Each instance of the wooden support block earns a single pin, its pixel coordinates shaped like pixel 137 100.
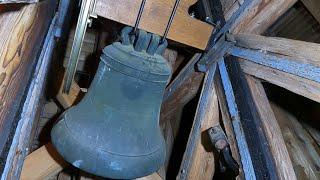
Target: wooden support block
pixel 42 164
pixel 184 28
pixel 67 100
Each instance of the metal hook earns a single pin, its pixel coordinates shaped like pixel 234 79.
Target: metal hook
pixel 173 13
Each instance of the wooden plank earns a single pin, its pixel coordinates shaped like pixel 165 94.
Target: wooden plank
pixel 272 130
pixel 301 51
pixel 42 164
pixel 31 106
pixel 198 163
pixel 302 86
pixel 155 16
pixel 314 8
pixel 23 29
pixel 282 63
pixel 67 100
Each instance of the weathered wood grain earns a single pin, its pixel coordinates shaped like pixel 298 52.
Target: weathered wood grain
pixel 301 51
pixel 272 130
pixel 30 111
pixel 258 19
pixel 262 15
pixel 22 32
pixel 304 152
pixel 155 17
pixel 298 85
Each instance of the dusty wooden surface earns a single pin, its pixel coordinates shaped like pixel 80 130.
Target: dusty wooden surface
pixel 184 29
pixel 22 29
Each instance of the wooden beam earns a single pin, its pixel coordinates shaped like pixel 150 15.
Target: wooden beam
pixel 256 21
pixel 279 62
pixel 303 150
pixel 261 16
pixel 22 31
pixel 301 51
pixel 298 85
pixel 314 8
pixel 198 162
pixel 272 130
pixel 155 17
pixel 67 100
pixel 31 106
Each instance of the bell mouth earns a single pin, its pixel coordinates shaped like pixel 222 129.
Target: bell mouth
pixel 101 162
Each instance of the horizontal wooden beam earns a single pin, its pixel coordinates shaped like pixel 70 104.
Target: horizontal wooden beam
pixel 155 17
pixel 298 85
pixel 301 51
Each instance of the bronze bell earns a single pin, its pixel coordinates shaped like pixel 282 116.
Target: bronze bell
pixel 114 131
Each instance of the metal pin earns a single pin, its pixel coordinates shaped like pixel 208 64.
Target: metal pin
pixel 139 16
pixel 173 13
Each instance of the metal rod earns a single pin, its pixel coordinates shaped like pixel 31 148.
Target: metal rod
pixel 173 13
pixel 139 16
